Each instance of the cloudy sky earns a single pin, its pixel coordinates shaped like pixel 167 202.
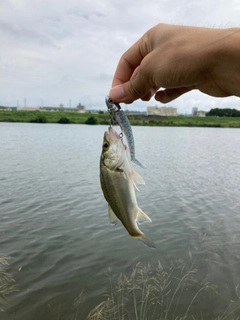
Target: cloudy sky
pixel 66 51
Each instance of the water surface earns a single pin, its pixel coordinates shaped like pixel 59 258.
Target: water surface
pixel 54 221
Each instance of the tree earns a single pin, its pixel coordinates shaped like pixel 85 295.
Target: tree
pixel 91 120
pixel 224 112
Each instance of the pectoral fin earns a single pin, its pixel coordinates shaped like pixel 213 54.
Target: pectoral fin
pixel 136 178
pixel 112 217
pixel 141 216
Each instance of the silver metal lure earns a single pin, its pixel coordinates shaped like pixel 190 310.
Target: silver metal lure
pixel 118 115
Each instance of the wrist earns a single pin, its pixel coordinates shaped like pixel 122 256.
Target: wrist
pixel 225 61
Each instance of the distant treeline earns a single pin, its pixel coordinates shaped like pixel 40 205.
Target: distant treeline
pixel 216 121
pixel 224 112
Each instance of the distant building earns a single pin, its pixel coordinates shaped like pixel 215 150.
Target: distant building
pixel 30 109
pixel 3 108
pixel 63 109
pixel 58 109
pixel 201 113
pixel 81 108
pixel 194 111
pixel 162 111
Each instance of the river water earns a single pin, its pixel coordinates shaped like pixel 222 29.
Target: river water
pixel 54 221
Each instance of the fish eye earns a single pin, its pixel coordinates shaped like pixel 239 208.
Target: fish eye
pixel 105 146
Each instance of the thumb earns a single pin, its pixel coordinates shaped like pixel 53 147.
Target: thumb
pixel 135 88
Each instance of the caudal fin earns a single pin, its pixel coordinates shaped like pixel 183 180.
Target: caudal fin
pixel 146 240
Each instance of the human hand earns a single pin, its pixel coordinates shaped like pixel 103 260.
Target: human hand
pixel 178 59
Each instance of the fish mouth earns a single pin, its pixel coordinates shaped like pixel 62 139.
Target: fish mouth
pixel 109 130
pixel 107 135
pixel 109 138
pixel 111 135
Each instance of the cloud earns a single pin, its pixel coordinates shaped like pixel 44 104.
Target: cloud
pixel 59 50
pixel 21 34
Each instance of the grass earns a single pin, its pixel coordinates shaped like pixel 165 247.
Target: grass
pixel 181 121
pixel 140 120
pixel 7 283
pixel 51 117
pixel 171 292
pixel 158 294
pixel 149 294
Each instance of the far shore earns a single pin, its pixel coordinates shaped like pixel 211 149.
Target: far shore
pixel 103 118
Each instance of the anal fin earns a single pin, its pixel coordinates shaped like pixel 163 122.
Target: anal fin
pixel 112 217
pixel 142 217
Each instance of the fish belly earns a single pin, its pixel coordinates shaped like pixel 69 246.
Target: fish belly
pixel 120 195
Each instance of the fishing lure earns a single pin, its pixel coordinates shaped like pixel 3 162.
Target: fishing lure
pixel 119 116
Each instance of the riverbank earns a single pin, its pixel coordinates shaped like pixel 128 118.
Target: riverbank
pixel 139 120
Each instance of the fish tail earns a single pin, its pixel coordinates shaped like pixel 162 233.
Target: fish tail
pixel 134 160
pixel 146 240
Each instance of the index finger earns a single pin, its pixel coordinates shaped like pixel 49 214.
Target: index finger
pixel 129 61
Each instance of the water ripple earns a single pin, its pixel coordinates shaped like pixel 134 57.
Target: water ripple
pixel 54 220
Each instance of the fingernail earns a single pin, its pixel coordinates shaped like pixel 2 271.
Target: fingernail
pixel 117 94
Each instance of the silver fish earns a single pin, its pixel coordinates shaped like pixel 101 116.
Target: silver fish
pixel 120 117
pixel 118 181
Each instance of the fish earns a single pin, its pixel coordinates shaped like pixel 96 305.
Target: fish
pixel 118 115
pixel 118 183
